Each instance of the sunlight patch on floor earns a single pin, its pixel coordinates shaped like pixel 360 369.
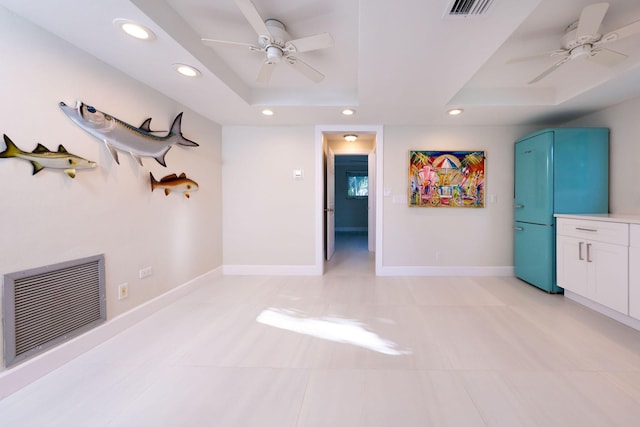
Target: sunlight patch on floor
pixel 337 329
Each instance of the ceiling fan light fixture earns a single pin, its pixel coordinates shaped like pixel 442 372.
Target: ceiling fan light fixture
pixel 455 111
pixel 274 54
pixel 134 29
pixel 581 51
pixel 186 70
pixel 350 137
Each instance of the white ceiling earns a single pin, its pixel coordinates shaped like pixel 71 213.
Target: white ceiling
pixel 398 62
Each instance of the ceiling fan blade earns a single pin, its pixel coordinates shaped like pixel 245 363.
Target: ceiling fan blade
pixel 590 19
pixel 305 44
pixel 213 42
pixel 607 57
pixel 621 33
pixel 305 69
pixel 538 55
pixel 550 70
pixel 266 70
pixel 251 14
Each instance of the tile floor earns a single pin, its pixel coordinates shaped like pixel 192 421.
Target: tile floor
pixel 350 349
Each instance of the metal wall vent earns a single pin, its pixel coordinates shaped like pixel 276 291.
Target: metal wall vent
pixel 45 306
pixel 468 8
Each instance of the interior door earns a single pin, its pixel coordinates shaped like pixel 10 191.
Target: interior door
pixel 371 203
pixel 331 204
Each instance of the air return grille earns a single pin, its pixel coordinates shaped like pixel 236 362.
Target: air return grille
pixel 468 8
pixel 45 306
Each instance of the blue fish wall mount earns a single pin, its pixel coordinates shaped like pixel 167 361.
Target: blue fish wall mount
pixel 121 136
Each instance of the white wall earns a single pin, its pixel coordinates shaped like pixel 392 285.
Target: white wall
pixel 269 218
pixel 624 152
pixel 50 218
pixel 429 240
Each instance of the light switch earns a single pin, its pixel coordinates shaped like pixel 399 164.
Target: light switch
pixel 298 174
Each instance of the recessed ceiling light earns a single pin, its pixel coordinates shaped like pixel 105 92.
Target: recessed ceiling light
pixel 186 70
pixel 350 137
pixel 348 112
pixel 455 111
pixel 134 29
pixel 267 112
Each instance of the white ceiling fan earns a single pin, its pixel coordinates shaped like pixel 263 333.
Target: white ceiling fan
pixel 583 39
pixel 276 44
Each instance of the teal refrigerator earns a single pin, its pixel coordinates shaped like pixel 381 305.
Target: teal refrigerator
pixel 557 171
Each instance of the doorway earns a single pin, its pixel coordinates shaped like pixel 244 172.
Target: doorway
pixel 350 252
pixel 348 220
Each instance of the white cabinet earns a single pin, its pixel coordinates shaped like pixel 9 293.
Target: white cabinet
pixel 593 261
pixel 634 271
pixel 571 268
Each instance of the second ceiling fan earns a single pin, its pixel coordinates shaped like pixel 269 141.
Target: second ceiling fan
pixel 583 39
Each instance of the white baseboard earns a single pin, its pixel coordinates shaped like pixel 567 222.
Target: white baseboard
pixel 615 315
pixel 272 270
pixel 351 229
pixel 444 271
pixel 16 377
pixel 312 270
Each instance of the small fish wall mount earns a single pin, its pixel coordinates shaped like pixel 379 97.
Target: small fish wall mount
pixel 41 157
pixel 121 136
pixel 173 183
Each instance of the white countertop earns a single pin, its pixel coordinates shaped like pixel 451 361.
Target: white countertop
pixel 612 217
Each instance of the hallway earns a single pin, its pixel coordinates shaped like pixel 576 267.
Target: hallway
pixel 352 256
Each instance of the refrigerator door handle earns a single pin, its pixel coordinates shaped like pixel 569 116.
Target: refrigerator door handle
pixel 518 228
pixel 580 251
pixel 589 252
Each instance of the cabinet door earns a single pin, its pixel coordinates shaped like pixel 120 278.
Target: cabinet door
pixel 608 275
pixel 571 265
pixel 634 282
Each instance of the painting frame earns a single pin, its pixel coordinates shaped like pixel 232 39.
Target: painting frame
pixel 447 178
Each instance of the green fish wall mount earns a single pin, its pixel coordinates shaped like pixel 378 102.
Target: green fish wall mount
pixel 41 157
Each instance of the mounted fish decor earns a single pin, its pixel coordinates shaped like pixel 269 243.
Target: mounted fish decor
pixel 42 158
pixel 172 182
pixel 120 136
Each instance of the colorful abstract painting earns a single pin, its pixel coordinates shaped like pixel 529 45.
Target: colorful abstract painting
pixel 446 179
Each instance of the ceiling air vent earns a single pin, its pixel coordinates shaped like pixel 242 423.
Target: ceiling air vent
pixel 468 8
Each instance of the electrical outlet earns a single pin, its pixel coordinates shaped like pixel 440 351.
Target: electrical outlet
pixel 123 291
pixel 146 272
